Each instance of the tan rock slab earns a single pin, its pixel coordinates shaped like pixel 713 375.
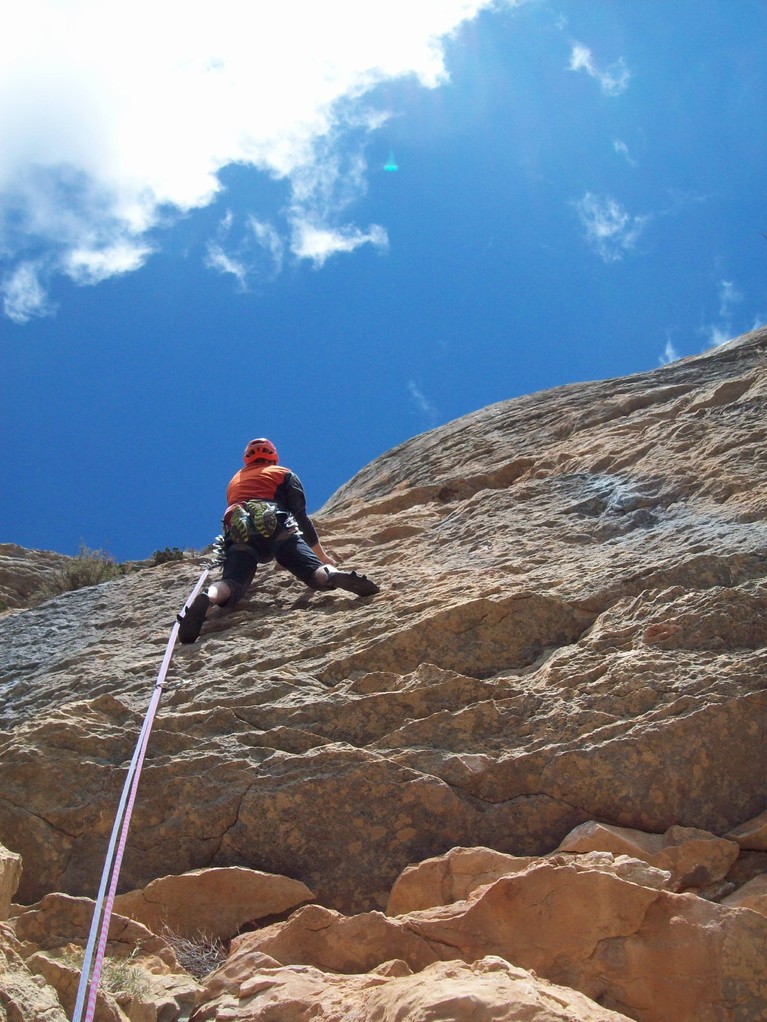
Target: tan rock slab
pixel 10 877
pixel 752 895
pixel 572 626
pixel 752 834
pixel 444 879
pixel 651 954
pixel 59 920
pixel 254 989
pixel 22 995
pixel 214 903
pixel 695 858
pixel 450 877
pixel 331 941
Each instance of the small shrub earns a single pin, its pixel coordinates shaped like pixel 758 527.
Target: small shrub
pixel 89 568
pixel 200 956
pixel 168 554
pixel 118 975
pixel 123 976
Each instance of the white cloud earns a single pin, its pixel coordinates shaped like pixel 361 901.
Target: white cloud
pixel 269 238
pixel 90 265
pixel 318 243
pixel 670 354
pixel 23 294
pixel 718 334
pixel 729 296
pixel 217 259
pixel 115 117
pixel 422 404
pixel 725 328
pixel 610 229
pixel 623 150
pixel 613 80
pixel 232 251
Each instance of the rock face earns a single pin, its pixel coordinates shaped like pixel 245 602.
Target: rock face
pixel 571 633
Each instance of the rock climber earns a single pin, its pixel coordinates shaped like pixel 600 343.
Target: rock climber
pixel 266 520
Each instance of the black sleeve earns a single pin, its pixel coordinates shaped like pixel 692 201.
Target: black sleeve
pixel 290 494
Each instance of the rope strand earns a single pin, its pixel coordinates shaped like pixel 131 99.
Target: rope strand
pixel 103 910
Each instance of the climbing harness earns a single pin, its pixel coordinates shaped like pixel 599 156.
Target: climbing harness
pixel 102 911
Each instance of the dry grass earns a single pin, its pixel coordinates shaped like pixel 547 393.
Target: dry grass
pixel 199 956
pixel 89 568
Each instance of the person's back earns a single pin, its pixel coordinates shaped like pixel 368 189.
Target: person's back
pixel 265 520
pixel 260 480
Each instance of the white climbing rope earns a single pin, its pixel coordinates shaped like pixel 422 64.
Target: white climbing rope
pixel 102 911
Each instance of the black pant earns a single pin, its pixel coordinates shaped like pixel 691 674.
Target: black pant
pixel 242 560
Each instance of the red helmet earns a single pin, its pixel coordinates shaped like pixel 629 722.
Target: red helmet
pixel 260 450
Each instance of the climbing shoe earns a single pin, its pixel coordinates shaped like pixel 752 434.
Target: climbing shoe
pixel 190 622
pixel 352 583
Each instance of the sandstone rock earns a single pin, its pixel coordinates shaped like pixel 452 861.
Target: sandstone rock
pixel 59 920
pixel 635 871
pixel 455 875
pixel 571 627
pixel 22 997
pixel 651 954
pixel 331 941
pixel 214 903
pixel 450 877
pixel 752 895
pixel 490 989
pixel 695 858
pixel 61 975
pixel 747 866
pixel 648 953
pixel 10 876
pixel 752 834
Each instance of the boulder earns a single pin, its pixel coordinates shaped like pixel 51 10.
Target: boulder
pixel 752 895
pixel 450 877
pixel 752 834
pixel 455 875
pixel 10 876
pixel 260 990
pixel 23 997
pixel 694 858
pixel 211 903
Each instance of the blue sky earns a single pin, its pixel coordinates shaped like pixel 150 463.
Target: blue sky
pixel 341 224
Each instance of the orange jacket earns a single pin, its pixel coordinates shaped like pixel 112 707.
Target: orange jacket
pixel 255 481
pixel 275 483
